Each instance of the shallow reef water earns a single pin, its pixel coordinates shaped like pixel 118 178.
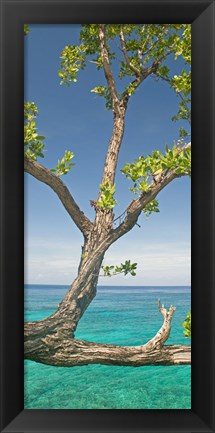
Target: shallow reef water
pixel 118 315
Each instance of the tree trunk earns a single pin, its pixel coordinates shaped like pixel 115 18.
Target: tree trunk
pixel 52 340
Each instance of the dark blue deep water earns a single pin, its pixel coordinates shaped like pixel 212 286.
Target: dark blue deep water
pixel 118 315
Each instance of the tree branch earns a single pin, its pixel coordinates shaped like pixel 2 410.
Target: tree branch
pixel 55 349
pixel 139 79
pixel 127 59
pixel 168 80
pixel 136 206
pixel 107 70
pixel 44 175
pixel 144 72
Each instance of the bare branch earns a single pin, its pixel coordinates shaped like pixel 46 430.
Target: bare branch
pixel 107 70
pixel 136 71
pixel 44 175
pixel 168 80
pixel 144 70
pixel 139 79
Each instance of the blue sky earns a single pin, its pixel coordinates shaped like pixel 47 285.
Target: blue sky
pixel 75 119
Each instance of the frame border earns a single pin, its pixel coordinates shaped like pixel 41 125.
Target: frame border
pixel 14 13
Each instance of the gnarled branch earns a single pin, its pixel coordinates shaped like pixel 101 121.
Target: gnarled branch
pixel 57 350
pixel 44 175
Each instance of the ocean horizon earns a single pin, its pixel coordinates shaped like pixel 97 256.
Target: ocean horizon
pixel 121 315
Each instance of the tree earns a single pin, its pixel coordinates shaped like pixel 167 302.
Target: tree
pixel 143 51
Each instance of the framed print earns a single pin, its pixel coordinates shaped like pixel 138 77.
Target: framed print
pixel 96 236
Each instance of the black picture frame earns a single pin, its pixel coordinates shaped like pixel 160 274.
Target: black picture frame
pixel 13 16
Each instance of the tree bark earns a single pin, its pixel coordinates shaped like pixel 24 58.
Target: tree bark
pixel 46 176
pixel 70 310
pixel 107 70
pixel 52 341
pixel 56 348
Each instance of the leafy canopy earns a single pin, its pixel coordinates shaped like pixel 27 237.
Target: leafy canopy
pixel 134 48
pixel 143 44
pixel 144 169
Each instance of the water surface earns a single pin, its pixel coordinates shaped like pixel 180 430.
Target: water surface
pixel 118 315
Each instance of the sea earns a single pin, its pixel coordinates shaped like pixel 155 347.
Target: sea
pixel 126 315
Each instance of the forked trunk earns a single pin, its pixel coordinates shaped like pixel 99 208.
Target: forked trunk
pixel 52 340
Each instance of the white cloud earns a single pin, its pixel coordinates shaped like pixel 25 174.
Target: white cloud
pixel 56 262
pixel 51 261
pixel 161 264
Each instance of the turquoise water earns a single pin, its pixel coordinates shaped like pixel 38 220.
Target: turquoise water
pixel 118 315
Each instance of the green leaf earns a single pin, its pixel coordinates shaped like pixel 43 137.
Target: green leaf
pixel 33 145
pixel 125 268
pixel 106 200
pixel 63 165
pixel 26 29
pixel 187 325
pixel 40 137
